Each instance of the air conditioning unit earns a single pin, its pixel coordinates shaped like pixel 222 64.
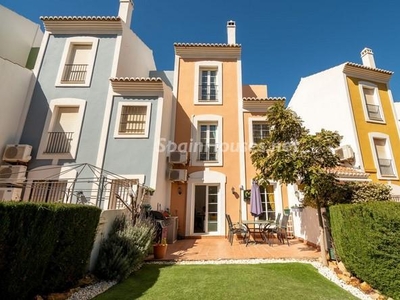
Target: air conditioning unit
pixel 178 175
pixel 16 153
pixel 178 157
pixel 12 174
pixel 345 153
pixel 13 194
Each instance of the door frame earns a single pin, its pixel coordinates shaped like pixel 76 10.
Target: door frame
pixel 205 177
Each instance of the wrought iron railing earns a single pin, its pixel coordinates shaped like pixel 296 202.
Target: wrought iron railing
pixel 207 152
pixel 385 166
pixel 208 92
pixel 59 142
pixel 74 73
pixel 374 112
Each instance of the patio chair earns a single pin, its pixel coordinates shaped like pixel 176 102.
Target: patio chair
pixel 270 228
pixel 279 229
pixel 235 229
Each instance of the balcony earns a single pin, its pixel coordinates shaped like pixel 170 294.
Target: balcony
pixel 59 142
pixel 386 167
pixel 74 73
pixel 208 92
pixel 374 112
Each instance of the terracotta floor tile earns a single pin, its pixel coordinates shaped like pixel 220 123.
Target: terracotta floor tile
pixel 220 248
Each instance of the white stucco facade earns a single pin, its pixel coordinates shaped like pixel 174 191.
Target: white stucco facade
pixel 18 36
pixel 327 92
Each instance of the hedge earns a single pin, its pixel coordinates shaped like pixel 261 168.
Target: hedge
pixel 44 247
pixel 367 240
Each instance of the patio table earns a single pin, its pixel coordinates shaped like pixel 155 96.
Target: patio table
pixel 256 227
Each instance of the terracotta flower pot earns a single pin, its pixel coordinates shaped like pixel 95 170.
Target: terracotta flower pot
pixel 159 251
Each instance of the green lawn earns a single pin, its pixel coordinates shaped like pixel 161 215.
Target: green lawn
pixel 260 281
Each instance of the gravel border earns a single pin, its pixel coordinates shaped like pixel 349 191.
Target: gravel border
pixel 91 291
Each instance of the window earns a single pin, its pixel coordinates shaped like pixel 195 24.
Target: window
pixel 207 137
pixel 372 105
pixel 133 120
pixel 260 131
pixel 383 156
pixel 267 202
pixel 77 62
pixel 208 142
pixel 49 191
pixel 62 130
pixel 208 86
pixel 208 83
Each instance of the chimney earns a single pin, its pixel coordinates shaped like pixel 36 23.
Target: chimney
pixel 231 29
pixel 367 57
pixel 125 11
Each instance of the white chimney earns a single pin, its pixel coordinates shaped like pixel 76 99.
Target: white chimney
pixel 231 28
pixel 125 11
pixel 367 57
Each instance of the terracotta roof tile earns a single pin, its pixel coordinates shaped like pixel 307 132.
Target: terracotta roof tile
pixel 207 45
pixel 264 99
pixel 79 18
pixel 348 172
pixel 368 68
pixel 136 79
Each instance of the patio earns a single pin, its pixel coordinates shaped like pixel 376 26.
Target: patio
pixel 215 248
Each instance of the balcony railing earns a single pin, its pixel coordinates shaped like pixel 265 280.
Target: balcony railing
pixel 385 166
pixel 374 112
pixel 74 73
pixel 208 92
pixel 207 152
pixel 59 142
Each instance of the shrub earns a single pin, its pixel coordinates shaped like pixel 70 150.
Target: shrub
pixel 125 249
pixel 369 191
pixel 367 240
pixel 40 246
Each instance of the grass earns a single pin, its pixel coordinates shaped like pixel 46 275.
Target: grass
pixel 254 281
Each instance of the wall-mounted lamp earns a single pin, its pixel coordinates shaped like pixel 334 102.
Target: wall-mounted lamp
pixel 179 190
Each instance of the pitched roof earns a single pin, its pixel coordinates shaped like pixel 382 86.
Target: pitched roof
pixel 79 18
pixel 136 79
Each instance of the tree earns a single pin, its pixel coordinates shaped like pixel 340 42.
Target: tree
pixel 291 155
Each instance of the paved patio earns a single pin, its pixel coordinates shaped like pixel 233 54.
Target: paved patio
pixel 214 248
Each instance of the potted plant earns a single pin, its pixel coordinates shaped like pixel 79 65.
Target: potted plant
pixel 160 249
pixel 287 211
pixel 246 195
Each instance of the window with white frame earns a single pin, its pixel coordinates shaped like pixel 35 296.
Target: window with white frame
pixel 267 202
pixel 208 142
pixel 77 62
pixel 372 103
pixel 208 81
pixel 208 86
pixel 207 137
pixel 260 131
pixel 384 157
pixel 133 120
pixel 62 130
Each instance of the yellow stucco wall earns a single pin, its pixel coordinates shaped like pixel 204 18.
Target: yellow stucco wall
pixel 363 128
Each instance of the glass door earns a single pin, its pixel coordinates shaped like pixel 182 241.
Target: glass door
pixel 205 209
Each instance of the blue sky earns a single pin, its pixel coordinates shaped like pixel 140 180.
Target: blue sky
pixel 282 40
